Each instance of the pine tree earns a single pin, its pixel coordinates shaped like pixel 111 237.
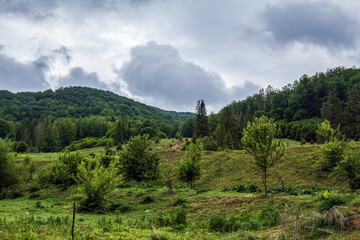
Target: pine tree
pixel 352 114
pixel 332 110
pixel 201 125
pixel 227 133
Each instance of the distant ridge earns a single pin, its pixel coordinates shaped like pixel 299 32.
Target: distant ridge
pixel 79 102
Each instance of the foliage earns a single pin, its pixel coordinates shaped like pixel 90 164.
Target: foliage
pixel 349 169
pixel 226 133
pixel 95 183
pixel 190 165
pixel 56 173
pixel 137 161
pixel 326 132
pixel 333 150
pixel 201 124
pixel 89 142
pixel 21 147
pixel 8 175
pixel 329 199
pixel 259 139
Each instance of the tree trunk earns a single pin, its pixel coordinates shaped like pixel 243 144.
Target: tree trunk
pixel 264 181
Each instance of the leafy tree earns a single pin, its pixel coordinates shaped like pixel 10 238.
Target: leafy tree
pixel 95 183
pixel 333 149
pixel 259 139
pixel 138 162
pixel 201 124
pixel 67 130
pixel 332 110
pixel 8 174
pixel 167 174
pixel 187 128
pixel 190 165
pixel 349 168
pixel 327 133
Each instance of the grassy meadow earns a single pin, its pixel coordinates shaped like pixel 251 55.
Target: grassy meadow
pixel 227 202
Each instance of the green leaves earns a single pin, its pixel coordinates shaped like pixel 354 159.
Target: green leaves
pixel 138 162
pixel 190 165
pixel 259 139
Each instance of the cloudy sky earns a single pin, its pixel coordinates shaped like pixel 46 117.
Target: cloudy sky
pixel 170 53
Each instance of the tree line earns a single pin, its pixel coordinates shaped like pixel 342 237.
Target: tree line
pixel 297 109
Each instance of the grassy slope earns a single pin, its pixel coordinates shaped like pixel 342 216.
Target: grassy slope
pixel 224 168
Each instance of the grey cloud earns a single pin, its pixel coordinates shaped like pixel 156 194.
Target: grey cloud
pixel 36 9
pixel 158 72
pixel 78 77
pixel 320 23
pixel 65 52
pixel 16 76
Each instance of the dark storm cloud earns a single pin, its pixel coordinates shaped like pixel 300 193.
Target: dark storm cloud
pixel 158 72
pixel 78 77
pixel 16 76
pixel 320 23
pixel 36 10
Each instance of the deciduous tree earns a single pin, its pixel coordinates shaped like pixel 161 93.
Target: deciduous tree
pixel 259 139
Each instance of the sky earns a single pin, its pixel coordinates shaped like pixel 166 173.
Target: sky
pixel 171 53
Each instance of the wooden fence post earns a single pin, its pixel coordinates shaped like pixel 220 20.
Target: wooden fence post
pixel 73 223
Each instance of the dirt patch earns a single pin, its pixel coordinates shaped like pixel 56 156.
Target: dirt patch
pixel 356 222
pixel 178 145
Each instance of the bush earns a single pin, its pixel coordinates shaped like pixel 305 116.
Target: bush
pixel 139 163
pixel 34 195
pixel 147 200
pixel 21 147
pixel 330 199
pixel 89 142
pixel 269 216
pixel 178 201
pixel 95 183
pixel 10 194
pixel 56 173
pixel 8 175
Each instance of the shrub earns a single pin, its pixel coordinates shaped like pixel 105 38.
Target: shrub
pixel 329 199
pixel 56 173
pixel 147 200
pixel 34 195
pixel 269 216
pixel 95 183
pixel 89 142
pixel 8 175
pixel 178 201
pixel 10 194
pixel 21 147
pixel 139 163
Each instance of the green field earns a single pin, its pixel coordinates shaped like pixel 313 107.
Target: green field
pixel 218 207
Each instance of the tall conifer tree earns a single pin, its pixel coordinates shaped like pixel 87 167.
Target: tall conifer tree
pixel 201 125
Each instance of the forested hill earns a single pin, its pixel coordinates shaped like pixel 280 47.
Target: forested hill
pixel 299 107
pixel 78 102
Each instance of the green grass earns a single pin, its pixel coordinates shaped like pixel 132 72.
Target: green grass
pixel 48 216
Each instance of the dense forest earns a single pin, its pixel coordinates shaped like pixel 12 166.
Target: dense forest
pixel 51 120
pixel 297 108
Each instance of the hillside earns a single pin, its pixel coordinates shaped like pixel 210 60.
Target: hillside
pixel 79 102
pixel 299 107
pixel 222 205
